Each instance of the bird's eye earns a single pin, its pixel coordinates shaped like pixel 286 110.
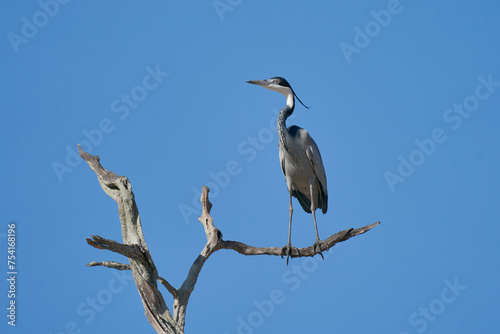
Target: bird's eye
pixel 277 81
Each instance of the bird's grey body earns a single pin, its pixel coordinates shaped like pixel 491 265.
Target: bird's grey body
pixel 299 176
pixel 300 161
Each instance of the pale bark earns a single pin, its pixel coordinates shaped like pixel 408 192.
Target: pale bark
pixel 141 263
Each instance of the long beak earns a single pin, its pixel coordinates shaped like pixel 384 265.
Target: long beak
pixel 262 83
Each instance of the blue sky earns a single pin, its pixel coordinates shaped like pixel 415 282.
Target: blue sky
pixel 404 99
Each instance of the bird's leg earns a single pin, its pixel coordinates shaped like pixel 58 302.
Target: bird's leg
pixel 287 250
pixel 318 242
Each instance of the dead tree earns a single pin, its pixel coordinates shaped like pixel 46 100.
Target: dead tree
pixel 141 263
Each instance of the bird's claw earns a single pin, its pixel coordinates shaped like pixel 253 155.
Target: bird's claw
pixel 318 244
pixel 288 250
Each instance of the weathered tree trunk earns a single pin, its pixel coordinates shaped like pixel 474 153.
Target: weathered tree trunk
pixel 141 263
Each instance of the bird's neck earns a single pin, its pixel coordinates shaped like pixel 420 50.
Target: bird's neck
pixel 287 110
pixel 282 116
pixel 290 100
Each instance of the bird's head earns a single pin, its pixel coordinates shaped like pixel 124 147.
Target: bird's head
pixel 280 85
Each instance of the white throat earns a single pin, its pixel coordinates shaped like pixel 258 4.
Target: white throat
pixel 287 92
pixel 289 99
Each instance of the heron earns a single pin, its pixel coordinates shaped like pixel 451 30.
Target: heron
pixel 300 162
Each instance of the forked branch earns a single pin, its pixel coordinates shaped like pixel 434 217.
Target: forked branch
pixel 141 263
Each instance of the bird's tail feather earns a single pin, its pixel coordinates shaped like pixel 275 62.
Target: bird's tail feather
pixel 306 203
pixel 303 200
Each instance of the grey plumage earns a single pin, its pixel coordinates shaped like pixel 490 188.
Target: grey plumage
pixel 300 160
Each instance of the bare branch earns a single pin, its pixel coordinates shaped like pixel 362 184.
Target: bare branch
pixel 306 251
pixel 214 236
pixel 169 287
pixel 215 243
pixel 126 250
pixel 109 264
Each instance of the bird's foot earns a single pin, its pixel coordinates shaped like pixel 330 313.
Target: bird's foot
pixel 318 245
pixel 288 250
